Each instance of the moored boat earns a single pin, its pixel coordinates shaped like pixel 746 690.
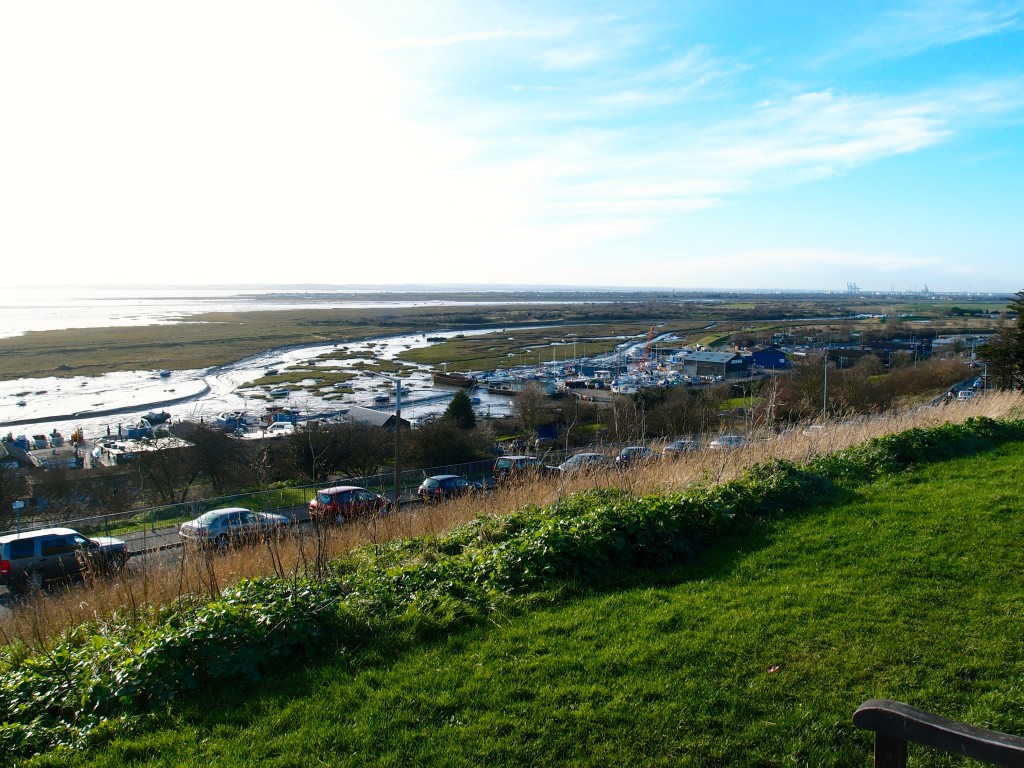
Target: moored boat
pixel 454 379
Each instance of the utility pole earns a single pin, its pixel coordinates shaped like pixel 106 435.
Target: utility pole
pixel 824 406
pixel 398 446
pixel 397 487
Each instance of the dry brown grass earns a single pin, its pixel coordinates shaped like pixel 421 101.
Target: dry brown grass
pixel 185 575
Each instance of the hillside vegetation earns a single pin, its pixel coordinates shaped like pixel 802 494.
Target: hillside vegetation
pixel 390 602
pixel 755 653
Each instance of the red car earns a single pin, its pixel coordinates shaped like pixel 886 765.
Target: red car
pixel 346 502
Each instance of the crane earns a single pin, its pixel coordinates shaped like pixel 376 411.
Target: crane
pixel 647 350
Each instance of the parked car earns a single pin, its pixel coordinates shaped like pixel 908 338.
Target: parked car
pixel 508 467
pixel 30 559
pixel 584 462
pixel 342 503
pixel 965 394
pixel 634 454
pixel 441 487
pixel 679 447
pixel 726 442
pixel 232 525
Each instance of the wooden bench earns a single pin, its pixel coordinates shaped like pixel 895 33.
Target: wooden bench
pixel 896 724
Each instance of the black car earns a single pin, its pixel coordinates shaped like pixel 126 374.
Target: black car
pixel 28 560
pixel 441 487
pixel 634 454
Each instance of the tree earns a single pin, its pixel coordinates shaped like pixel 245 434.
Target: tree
pixel 60 490
pixel 313 450
pixel 12 488
pixel 363 449
pixel 531 406
pixel 220 458
pixel 460 411
pixel 354 449
pixel 168 470
pixel 1005 353
pixel 442 442
pixel 683 411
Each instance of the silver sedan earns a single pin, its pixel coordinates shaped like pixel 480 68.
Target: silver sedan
pixel 221 528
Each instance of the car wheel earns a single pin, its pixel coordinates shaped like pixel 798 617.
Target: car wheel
pixel 339 518
pixel 33 581
pixel 118 562
pixel 221 543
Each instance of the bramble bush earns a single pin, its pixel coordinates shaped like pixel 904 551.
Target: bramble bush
pixel 102 674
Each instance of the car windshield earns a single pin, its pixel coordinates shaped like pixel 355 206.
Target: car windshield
pixel 208 518
pixel 323 498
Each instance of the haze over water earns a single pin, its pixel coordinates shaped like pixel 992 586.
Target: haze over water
pixel 46 309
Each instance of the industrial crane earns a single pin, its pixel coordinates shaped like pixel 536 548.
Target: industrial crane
pixel 647 350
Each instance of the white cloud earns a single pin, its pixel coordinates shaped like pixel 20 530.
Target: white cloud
pixel 923 24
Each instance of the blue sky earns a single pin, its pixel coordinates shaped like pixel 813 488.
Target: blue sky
pixel 649 144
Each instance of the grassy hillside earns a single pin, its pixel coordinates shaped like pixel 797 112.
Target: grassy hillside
pixel 755 652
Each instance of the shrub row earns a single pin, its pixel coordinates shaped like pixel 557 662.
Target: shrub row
pixel 101 675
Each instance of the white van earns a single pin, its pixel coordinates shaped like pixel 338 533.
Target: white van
pixel 279 428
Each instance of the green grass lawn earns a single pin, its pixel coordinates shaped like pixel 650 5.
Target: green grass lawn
pixel 756 653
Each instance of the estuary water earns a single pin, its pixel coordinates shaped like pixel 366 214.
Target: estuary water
pixel 114 401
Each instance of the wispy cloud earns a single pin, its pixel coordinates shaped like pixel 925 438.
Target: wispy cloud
pixel 924 24
pixel 672 81
pixel 469 37
pixel 808 136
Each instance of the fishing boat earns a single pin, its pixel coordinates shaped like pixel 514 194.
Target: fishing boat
pixel 281 392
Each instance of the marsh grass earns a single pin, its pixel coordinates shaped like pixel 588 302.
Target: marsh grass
pixel 219 338
pixel 168 577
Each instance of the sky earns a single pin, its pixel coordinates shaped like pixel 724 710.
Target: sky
pixel 691 144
